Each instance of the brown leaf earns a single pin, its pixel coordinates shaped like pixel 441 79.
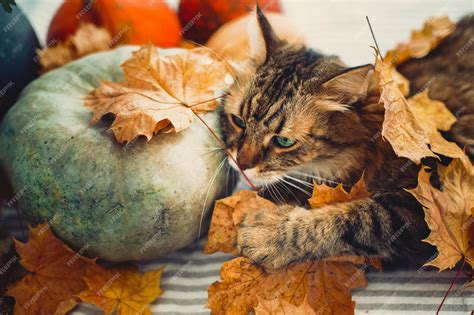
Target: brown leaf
pixel 325 284
pixel 449 213
pixel 282 307
pixel 400 128
pixel 432 115
pixel 123 290
pixel 422 41
pixel 324 195
pixel 55 274
pixel 87 39
pixel 160 93
pixel 228 214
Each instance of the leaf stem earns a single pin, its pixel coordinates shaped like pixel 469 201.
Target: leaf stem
pixel 452 284
pixel 226 151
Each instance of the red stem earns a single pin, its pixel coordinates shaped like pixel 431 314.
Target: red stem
pixel 452 284
pixel 227 152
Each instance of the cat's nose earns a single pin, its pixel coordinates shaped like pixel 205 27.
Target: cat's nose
pixel 247 157
pixel 245 164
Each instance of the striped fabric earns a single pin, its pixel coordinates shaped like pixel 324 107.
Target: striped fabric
pixel 188 273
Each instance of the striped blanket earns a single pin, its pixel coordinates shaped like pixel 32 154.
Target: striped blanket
pixel 188 273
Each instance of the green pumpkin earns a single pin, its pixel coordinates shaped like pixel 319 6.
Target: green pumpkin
pixel 118 202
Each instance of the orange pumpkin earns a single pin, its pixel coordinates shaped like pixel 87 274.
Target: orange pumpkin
pixel 201 18
pixel 142 21
pixel 128 21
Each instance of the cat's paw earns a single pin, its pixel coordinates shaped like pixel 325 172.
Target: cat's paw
pixel 263 238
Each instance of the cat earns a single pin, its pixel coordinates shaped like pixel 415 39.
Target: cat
pixel 294 115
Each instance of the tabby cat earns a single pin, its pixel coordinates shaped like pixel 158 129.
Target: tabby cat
pixel 294 115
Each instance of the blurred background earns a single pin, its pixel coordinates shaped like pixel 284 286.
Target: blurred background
pixel 332 26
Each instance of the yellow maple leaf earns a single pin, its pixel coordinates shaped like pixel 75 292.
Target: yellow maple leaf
pixel 160 93
pixel 55 274
pixel 324 195
pixel 422 41
pixel 448 213
pixel 123 290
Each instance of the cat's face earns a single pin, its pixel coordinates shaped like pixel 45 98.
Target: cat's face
pixel 290 111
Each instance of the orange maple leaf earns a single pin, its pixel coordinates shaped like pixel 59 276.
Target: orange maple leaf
pixel 422 41
pixel 282 307
pixel 227 215
pixel 160 93
pixel 325 195
pixel 87 39
pixel 55 274
pixel 124 290
pixel 448 213
pixel 326 285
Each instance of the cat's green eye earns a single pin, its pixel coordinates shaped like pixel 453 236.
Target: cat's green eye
pixel 284 142
pixel 238 121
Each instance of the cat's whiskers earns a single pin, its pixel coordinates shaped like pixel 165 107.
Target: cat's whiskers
pixel 321 179
pixel 227 181
pixel 325 180
pixel 278 184
pixel 267 185
pixel 209 186
pixel 212 151
pixel 303 182
pixel 295 186
pixel 277 192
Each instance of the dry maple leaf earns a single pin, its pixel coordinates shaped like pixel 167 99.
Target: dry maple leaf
pixel 55 274
pixel 400 128
pixel 227 215
pixel 324 195
pixel 422 41
pixel 282 307
pixel 123 290
pixel 448 213
pixel 160 93
pixel 325 284
pixel 229 212
pixel 87 39
pixel 432 115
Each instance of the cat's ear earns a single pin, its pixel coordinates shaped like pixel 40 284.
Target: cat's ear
pixel 352 84
pixel 262 38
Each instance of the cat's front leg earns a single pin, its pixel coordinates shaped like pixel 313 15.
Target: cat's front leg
pixel 378 227
pixel 272 238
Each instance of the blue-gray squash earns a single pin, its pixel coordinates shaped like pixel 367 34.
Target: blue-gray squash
pixel 18 61
pixel 118 202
